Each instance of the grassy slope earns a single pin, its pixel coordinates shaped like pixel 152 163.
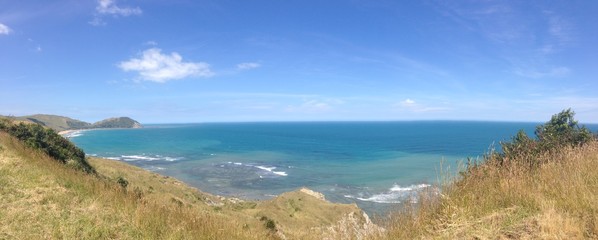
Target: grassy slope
pixel 558 201
pixel 58 123
pixel 41 198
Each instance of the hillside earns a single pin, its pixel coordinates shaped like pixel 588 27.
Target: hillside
pixel 536 188
pixel 43 197
pixel 120 122
pixel 60 123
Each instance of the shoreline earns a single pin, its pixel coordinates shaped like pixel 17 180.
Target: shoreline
pixel 65 133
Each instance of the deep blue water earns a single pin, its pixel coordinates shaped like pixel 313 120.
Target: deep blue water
pixel 373 164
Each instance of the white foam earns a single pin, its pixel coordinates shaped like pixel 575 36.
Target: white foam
pixel 129 158
pixel 280 173
pixel 397 188
pixel 154 168
pixel 138 157
pixel 378 198
pixel 265 170
pixel 394 195
pixel 172 159
pixel 73 134
pixel 271 170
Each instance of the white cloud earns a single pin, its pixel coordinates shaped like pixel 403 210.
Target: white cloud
pixel 4 29
pixel 151 43
pixel 109 7
pixel 157 67
pixel 314 106
pixel 411 105
pixel 97 22
pixel 248 65
pixel 408 102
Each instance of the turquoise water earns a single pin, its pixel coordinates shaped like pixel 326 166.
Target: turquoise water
pixel 374 164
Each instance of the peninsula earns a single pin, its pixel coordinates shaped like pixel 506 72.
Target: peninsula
pixel 61 124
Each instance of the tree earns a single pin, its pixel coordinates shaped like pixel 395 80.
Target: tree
pixel 562 130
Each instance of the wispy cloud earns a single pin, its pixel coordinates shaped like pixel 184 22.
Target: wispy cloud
pixel 552 72
pixel 154 66
pixel 248 65
pixel 407 102
pixel 412 106
pixel 314 106
pixel 109 8
pixel 4 30
pixel 560 30
pixel 510 28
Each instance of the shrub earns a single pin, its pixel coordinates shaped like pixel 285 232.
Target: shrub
pixel 48 141
pixel 562 130
pixel 122 182
pixel 268 223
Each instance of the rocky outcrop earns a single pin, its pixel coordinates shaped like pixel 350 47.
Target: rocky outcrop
pixel 304 212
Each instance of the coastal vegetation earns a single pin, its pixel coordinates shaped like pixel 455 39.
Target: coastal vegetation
pixel 536 188
pixel 47 141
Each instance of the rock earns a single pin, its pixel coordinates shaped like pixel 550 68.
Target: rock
pixel 313 193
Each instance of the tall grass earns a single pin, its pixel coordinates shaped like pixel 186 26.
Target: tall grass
pixel 494 199
pixel 40 198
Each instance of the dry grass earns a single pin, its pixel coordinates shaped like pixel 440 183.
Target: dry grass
pixel 559 200
pixel 40 198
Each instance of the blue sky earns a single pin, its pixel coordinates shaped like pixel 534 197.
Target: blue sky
pixel 164 61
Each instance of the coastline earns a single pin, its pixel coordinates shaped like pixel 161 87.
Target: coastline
pixel 72 133
pixel 66 132
pixel 75 132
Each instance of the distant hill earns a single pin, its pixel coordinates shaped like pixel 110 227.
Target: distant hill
pixel 120 122
pixel 60 123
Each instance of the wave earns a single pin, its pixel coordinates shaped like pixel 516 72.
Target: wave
pixel 395 194
pixel 154 168
pixel 73 134
pixel 271 169
pixel 131 158
pixel 265 171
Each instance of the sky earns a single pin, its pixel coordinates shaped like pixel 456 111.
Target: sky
pixel 180 61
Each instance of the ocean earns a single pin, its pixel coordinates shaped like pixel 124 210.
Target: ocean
pixel 376 165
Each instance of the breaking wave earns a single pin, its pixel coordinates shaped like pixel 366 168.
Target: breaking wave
pixel 131 158
pixel 395 194
pixel 263 171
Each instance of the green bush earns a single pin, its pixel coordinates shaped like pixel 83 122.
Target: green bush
pixel 561 131
pixel 122 182
pixel 47 140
